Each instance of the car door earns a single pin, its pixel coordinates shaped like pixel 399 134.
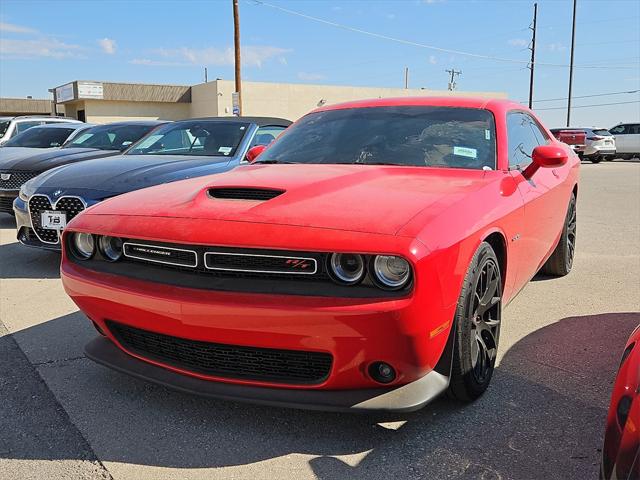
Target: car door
pixel 620 133
pixel 633 139
pixel 545 199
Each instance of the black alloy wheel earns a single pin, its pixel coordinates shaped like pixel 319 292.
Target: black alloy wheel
pixel 477 323
pixel 560 262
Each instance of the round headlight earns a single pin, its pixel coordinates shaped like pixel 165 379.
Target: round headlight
pixel 110 248
pixel 347 267
pixel 391 271
pixel 83 245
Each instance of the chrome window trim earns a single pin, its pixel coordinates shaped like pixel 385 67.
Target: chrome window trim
pixel 53 206
pixel 146 245
pixel 315 263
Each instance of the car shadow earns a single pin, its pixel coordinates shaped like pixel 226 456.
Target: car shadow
pixel 542 417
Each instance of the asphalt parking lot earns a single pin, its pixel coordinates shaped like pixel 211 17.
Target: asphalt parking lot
pixel 62 416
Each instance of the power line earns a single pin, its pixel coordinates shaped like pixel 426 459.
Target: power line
pixel 416 44
pixel 588 96
pixel 587 106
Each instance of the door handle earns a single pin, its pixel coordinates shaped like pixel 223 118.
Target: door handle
pixel 555 173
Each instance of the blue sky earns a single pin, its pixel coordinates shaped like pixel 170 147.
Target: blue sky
pixel 47 43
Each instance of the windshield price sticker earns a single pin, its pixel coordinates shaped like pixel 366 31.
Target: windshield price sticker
pixel 465 152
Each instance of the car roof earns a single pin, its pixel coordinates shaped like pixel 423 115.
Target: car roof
pixel 150 123
pixel 74 125
pixel 260 121
pixel 462 102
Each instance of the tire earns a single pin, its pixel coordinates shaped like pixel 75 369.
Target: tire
pixel 477 327
pixel 561 260
pixel 595 159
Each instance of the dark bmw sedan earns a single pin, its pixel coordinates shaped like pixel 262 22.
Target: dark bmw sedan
pixel 175 151
pixel 17 165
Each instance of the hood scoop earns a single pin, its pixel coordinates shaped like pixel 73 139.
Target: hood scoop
pixel 239 193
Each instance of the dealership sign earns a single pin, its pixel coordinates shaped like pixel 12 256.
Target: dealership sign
pixel 64 93
pixel 90 90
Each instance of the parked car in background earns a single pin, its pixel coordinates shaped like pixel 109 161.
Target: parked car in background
pixel 52 135
pixel 627 137
pixel 18 165
pixel 175 151
pixel 12 126
pixel 593 144
pixel 360 263
pixel 621 450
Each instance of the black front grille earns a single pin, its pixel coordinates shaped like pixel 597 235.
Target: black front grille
pixel 260 194
pixel 251 263
pixel 72 206
pixel 226 361
pixel 166 255
pixel 6 204
pixel 16 179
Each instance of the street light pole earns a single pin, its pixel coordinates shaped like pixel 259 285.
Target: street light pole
pixel 236 43
pixel 573 41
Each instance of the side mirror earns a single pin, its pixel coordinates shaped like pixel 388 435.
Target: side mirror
pixel 546 156
pixel 253 152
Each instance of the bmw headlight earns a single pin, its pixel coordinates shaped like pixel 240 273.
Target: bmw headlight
pixel 27 189
pixel 391 271
pixel 82 245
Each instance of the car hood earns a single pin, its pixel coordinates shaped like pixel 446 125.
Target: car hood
pixel 106 177
pixel 360 198
pixel 41 159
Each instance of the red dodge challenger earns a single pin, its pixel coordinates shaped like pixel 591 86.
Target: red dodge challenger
pixel 361 262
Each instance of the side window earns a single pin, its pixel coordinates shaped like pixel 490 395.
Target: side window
pixel 619 130
pixel 541 136
pixel 635 129
pixel 521 138
pixel 267 134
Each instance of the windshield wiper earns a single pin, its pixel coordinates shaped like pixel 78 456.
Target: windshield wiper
pixel 378 163
pixel 271 161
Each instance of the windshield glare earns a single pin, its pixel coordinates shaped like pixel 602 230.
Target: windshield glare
pixel 423 136
pixel 196 138
pixel 37 137
pixel 110 137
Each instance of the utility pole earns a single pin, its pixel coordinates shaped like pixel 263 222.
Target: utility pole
pixel 573 42
pixel 205 75
pixel 452 83
pixel 406 77
pixel 236 43
pixel 533 54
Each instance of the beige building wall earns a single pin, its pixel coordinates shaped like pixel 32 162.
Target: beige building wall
pixel 101 111
pixel 291 101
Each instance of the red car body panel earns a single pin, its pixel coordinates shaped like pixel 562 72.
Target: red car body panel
pixel 621 451
pixel 434 217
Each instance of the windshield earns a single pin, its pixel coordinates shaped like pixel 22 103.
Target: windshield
pixel 40 137
pixel 110 137
pixel 602 132
pixel 4 125
pixel 423 136
pixel 198 137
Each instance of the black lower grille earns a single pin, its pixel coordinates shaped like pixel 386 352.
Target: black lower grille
pixel 6 204
pixel 227 361
pixel 72 206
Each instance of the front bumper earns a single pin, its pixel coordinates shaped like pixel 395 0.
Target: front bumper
pixel 405 398
pixel 24 228
pixel 6 200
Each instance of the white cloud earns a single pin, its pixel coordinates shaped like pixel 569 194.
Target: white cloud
pixel 310 77
pixel 108 45
pixel 251 55
pixel 157 63
pixel 433 60
pixel 518 42
pixel 40 47
pixel 557 47
pixel 13 28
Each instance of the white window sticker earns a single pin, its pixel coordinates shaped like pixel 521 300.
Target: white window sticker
pixel 465 152
pixel 225 150
pixel 487 134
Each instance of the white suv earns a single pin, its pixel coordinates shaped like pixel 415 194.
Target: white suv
pixel 11 126
pixel 627 140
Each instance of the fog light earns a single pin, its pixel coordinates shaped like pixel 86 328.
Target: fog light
pixel 382 372
pixel 110 248
pixel 83 245
pixel 347 267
